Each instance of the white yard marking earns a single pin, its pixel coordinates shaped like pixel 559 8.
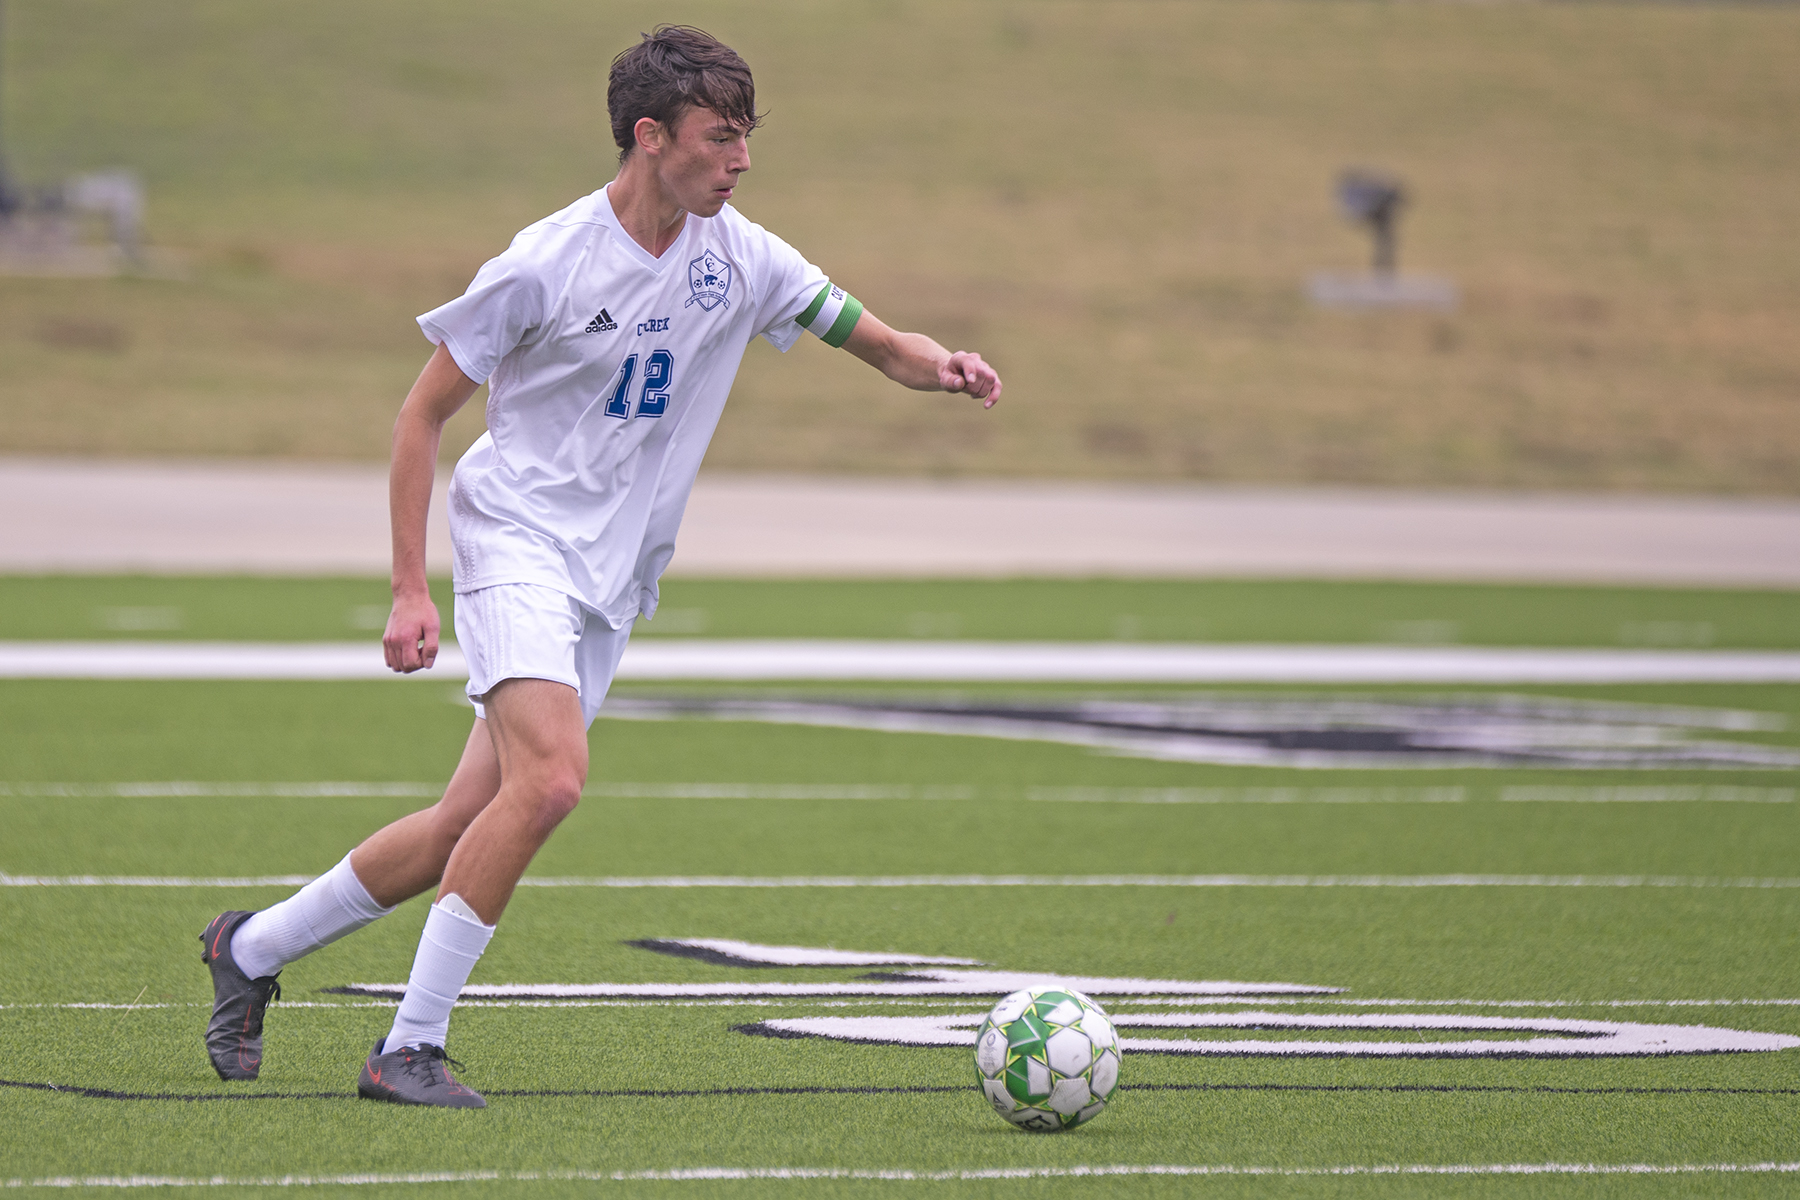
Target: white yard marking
pixel 182 788
pixel 709 1174
pixel 1675 793
pixel 1568 1038
pixel 200 1004
pixel 899 1002
pixel 1180 881
pixel 211 660
pixel 932 881
pixel 156 881
pixel 777 791
pixel 1364 1002
pixel 970 661
pixel 945 982
pixel 1652 794
pixel 1670 794
pixel 177 788
pixel 1240 795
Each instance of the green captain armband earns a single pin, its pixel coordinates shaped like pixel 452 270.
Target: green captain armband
pixel 831 315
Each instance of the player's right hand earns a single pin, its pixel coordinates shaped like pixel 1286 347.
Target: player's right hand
pixel 411 639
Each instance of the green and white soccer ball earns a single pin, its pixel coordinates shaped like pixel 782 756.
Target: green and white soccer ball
pixel 1047 1059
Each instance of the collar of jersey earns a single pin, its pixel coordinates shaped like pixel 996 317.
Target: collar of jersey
pixel 644 258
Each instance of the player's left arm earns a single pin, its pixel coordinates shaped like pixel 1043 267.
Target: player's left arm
pixel 919 363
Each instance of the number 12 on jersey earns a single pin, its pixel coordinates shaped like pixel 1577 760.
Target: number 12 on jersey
pixel 653 395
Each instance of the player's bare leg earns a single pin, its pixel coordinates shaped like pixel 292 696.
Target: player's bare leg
pixel 540 744
pixel 540 741
pixel 246 951
pixel 408 857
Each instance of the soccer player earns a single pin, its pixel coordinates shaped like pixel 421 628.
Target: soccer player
pixel 609 334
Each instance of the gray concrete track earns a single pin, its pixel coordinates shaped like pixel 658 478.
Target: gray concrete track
pixel 293 518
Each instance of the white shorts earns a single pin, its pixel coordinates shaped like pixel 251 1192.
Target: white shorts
pixel 528 631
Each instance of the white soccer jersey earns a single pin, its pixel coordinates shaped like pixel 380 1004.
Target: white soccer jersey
pixel 607 370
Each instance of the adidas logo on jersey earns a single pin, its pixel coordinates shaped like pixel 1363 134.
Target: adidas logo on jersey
pixel 602 323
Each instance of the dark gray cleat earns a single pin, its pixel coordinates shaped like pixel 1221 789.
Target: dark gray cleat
pixel 415 1076
pixel 234 1035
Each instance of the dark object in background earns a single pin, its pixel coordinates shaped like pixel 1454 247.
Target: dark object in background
pixel 1376 199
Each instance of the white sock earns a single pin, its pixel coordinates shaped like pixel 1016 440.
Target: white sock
pixel 448 950
pixel 318 914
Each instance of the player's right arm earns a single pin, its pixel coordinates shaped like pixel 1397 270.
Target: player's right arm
pixel 911 359
pixel 411 639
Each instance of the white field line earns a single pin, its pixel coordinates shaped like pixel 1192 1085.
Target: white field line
pixel 712 1174
pixel 184 788
pixel 1364 1002
pixel 181 788
pixel 1185 881
pixel 199 1004
pixel 1692 794
pixel 1559 1037
pixel 1222 795
pixel 1675 793
pixel 901 1002
pixel 777 791
pixel 1118 1003
pixel 155 881
pixel 913 881
pixel 802 659
pixel 1627 794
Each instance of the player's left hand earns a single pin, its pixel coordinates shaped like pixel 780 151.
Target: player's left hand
pixel 965 372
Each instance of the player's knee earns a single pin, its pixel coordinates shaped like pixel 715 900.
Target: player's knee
pixel 558 794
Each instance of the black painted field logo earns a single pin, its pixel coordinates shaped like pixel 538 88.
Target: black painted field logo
pixel 1325 731
pixel 1248 1019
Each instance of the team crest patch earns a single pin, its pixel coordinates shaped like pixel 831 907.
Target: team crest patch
pixel 709 277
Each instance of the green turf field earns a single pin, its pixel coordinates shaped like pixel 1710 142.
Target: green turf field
pixel 74 607
pixel 102 995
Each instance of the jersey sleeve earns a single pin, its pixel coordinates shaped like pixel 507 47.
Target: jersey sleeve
pixel 790 285
pixel 507 301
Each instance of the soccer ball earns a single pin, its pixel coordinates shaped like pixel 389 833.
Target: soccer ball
pixel 1047 1059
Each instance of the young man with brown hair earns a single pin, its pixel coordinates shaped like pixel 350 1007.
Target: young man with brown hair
pixel 609 334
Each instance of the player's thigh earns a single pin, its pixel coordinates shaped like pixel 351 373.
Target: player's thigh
pixel 537 730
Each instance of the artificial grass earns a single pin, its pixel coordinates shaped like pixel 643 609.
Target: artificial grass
pixel 248 608
pixel 1589 950
pixel 1258 1111
pixel 1585 947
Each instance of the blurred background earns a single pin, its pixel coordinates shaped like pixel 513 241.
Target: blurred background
pixel 1119 204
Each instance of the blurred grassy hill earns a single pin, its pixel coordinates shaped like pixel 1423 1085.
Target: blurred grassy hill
pixel 1117 203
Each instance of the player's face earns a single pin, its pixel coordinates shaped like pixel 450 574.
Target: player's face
pixel 701 165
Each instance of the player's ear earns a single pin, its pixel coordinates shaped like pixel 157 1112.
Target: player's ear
pixel 650 134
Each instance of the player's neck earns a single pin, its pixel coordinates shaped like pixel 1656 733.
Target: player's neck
pixel 644 209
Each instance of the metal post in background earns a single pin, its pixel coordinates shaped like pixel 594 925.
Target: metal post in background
pixel 1374 199
pixel 9 200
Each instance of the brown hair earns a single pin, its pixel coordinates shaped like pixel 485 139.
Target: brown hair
pixel 671 70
